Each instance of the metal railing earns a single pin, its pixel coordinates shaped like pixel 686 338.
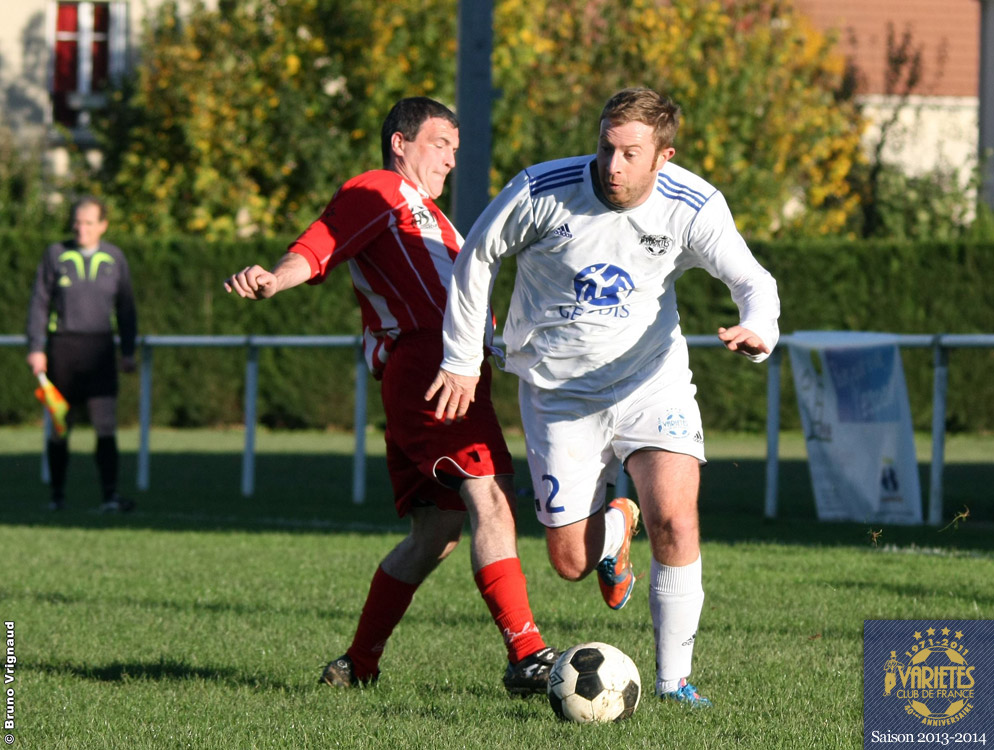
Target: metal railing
pixel 252 344
pixel 941 344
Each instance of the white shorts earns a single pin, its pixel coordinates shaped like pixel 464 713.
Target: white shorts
pixel 578 444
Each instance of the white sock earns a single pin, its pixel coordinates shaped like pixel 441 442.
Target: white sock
pixel 614 532
pixel 676 599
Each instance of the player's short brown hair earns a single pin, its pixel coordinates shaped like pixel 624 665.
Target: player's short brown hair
pixel 644 105
pixel 406 117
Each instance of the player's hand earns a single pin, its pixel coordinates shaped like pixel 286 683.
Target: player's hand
pixel 455 394
pixel 38 362
pixel 743 341
pixel 128 364
pixel 253 282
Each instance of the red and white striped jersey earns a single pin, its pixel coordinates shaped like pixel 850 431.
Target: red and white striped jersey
pixel 400 248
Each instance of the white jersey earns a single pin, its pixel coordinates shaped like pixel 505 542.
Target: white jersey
pixel 594 297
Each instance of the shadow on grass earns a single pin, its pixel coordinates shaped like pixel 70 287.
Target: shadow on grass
pixel 162 670
pixel 313 493
pixel 331 614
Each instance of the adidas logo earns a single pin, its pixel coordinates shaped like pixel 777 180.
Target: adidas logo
pixel 563 231
pixel 698 437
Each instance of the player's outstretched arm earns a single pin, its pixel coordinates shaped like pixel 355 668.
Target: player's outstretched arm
pixel 255 282
pixel 743 341
pixel 455 394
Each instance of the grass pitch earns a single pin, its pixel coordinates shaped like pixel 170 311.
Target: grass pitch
pixel 203 619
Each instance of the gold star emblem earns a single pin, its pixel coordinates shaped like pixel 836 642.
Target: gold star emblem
pixel 930 631
pixel 945 631
pixel 918 636
pixel 959 635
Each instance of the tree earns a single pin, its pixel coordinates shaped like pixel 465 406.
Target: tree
pixel 757 84
pixel 27 189
pixel 249 117
pixel 237 120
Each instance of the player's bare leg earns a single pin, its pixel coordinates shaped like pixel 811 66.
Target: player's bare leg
pixel 575 550
pixel 602 541
pixel 489 501
pixel 434 535
pixel 502 585
pixel 668 485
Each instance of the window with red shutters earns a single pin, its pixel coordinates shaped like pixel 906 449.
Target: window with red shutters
pixel 89 47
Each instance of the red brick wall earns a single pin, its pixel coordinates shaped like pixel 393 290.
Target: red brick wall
pixel 933 23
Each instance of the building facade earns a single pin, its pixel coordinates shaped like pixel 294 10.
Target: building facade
pixel 936 126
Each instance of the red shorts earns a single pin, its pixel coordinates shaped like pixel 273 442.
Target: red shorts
pixel 421 451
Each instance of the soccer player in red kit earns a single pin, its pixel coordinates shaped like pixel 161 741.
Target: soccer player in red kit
pixel 400 250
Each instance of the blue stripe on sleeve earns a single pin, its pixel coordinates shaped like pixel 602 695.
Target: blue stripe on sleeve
pixel 557 178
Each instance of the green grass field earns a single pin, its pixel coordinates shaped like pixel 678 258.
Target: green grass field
pixel 203 619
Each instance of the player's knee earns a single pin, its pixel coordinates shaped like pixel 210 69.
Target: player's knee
pixel 419 556
pixel 433 542
pixel 448 548
pixel 675 530
pixel 569 567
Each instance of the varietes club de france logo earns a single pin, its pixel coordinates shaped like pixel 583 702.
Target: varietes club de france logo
pixel 924 681
pixel 932 677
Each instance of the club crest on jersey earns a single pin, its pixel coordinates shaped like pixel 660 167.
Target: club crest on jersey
pixel 655 244
pixel 602 285
pixel 423 218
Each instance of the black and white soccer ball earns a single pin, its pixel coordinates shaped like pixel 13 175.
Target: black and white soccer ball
pixel 594 682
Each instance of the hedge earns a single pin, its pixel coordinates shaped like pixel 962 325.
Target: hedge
pixel 841 285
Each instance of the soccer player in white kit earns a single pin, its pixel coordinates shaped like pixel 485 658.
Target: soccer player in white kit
pixel 593 334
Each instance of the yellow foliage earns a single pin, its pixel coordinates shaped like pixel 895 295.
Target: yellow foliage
pixel 238 116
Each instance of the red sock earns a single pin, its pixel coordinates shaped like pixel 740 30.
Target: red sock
pixel 386 603
pixel 503 587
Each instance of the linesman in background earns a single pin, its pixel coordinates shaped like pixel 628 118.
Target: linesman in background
pixel 81 287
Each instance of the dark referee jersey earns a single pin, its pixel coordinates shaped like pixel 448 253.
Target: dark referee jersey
pixel 83 293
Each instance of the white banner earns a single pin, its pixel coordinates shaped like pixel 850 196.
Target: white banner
pixel 857 426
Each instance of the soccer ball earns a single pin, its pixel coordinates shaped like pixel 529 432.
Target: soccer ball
pixel 594 682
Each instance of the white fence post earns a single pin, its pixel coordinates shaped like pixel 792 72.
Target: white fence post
pixel 359 425
pixel 940 386
pixel 251 392
pixel 46 476
pixel 144 417
pixel 773 368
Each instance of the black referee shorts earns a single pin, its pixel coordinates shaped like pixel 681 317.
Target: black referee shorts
pixel 82 365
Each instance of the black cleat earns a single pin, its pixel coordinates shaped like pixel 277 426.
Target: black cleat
pixel 531 675
pixel 117 504
pixel 340 673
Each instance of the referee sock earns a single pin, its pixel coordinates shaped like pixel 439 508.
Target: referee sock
pixel 386 603
pixel 676 599
pixel 58 466
pixel 503 587
pixel 106 458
